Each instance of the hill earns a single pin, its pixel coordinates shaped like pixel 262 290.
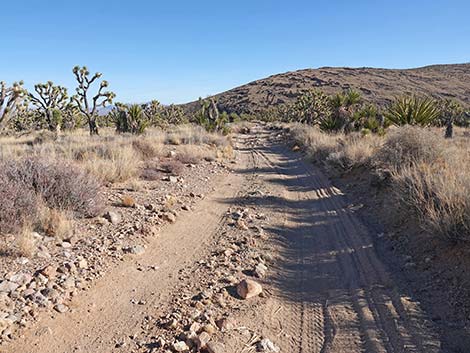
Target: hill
pixel 376 85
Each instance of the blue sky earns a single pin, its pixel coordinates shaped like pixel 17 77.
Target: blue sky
pixel 176 51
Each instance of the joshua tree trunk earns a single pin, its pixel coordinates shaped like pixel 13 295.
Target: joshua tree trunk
pixel 449 129
pixel 93 127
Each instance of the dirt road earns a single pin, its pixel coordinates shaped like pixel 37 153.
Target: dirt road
pixel 327 290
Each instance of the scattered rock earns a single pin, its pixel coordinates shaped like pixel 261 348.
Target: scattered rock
pixel 83 264
pixel 248 288
pixel 49 271
pixel 170 217
pixel 225 324
pixel 113 217
pixel 135 250
pixel 180 346
pixel 61 308
pixel 260 270
pixel 266 345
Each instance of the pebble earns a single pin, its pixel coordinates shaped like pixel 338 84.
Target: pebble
pixel 113 217
pixel 61 308
pixel 248 288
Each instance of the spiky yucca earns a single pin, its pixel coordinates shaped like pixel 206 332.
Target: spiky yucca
pixel 413 110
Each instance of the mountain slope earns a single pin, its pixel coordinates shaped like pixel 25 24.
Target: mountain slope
pixel 376 85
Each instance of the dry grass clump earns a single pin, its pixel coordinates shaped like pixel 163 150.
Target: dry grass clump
pixel 408 145
pixel 117 164
pixel 147 149
pixel 55 223
pixel 430 175
pixel 25 242
pixel 127 201
pixel 337 150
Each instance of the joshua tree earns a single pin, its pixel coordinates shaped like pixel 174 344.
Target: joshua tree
pixel 101 98
pixel 311 107
pixel 344 106
pixel 51 101
pixel 209 117
pixel 450 111
pixel 9 97
pixel 130 118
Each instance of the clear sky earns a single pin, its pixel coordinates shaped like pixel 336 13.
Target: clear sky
pixel 176 51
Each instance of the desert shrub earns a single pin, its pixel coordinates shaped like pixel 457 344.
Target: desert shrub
pixel 438 193
pixel 146 149
pixel 173 167
pixel 353 151
pixel 18 204
pixel 58 183
pixel 408 145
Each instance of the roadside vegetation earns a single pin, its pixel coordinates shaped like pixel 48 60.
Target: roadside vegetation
pixel 428 174
pixel 58 152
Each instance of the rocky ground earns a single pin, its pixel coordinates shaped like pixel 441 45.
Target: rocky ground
pixel 62 268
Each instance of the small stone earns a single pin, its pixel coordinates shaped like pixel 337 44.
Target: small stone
pixel 66 245
pixel 248 288
pixel 135 249
pixel 113 217
pixel 225 324
pixel 260 270
pixel 170 217
pixel 266 345
pixel 83 264
pixel 61 308
pixel 180 346
pixel 172 179
pixel 202 340
pixel 49 271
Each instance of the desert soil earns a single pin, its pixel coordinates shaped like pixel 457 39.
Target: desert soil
pixel 273 219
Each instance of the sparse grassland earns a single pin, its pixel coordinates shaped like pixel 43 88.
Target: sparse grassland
pixel 47 180
pixel 429 175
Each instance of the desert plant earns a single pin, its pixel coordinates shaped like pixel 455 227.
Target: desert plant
pixel 130 119
pixel 407 145
pixel 311 107
pixel 59 184
pixel 344 106
pixel 209 117
pixel 413 110
pixel 9 98
pixel 451 111
pixel 50 100
pixel 171 115
pixel 100 99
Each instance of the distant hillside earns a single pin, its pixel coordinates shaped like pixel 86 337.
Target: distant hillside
pixel 376 85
